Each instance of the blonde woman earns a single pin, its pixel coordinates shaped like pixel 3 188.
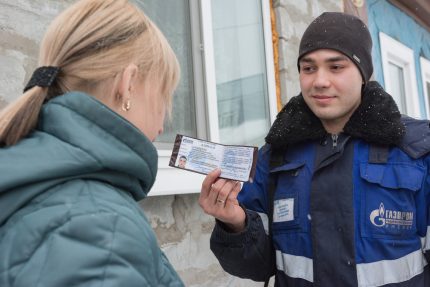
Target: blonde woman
pixel 76 153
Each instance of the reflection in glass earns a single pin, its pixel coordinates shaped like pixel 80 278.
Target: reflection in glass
pixel 243 112
pixel 173 19
pixel 397 78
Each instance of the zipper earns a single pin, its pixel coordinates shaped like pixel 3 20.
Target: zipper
pixel 334 139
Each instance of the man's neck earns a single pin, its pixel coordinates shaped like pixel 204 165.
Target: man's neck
pixel 333 128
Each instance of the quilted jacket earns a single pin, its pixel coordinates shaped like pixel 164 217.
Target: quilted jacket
pixel 68 211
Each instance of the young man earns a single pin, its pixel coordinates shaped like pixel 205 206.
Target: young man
pixel 182 161
pixel 341 194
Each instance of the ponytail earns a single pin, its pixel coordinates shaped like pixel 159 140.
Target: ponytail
pixel 20 117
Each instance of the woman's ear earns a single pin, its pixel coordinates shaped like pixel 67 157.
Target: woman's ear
pixel 127 82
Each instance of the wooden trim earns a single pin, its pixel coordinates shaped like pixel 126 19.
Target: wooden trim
pixel 417 9
pixel 275 41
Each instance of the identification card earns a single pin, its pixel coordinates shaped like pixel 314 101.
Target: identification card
pixel 236 162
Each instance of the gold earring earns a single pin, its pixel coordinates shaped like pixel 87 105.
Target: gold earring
pixel 126 105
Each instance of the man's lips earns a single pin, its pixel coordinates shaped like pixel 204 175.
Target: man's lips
pixel 323 99
pixel 322 96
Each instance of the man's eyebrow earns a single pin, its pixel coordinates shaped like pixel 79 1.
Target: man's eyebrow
pixel 337 59
pixel 306 60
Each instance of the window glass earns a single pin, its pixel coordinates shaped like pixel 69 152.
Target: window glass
pixel 398 65
pixel 240 69
pixel 173 19
pixel 396 74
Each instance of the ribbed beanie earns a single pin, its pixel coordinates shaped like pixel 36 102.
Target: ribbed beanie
pixel 341 32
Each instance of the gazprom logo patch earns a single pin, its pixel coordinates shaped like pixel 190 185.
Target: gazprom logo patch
pixel 377 216
pixel 391 218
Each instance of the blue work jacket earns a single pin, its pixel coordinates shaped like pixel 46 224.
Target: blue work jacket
pixel 346 212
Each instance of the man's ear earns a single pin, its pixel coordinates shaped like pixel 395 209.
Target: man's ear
pixel 127 81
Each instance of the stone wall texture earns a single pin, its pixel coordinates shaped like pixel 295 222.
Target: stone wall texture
pixel 183 230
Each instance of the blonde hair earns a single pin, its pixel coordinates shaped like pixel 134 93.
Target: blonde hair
pixel 91 42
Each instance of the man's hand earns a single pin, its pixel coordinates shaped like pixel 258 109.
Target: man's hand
pixel 218 198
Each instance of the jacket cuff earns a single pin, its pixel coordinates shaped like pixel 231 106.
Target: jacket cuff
pixel 252 222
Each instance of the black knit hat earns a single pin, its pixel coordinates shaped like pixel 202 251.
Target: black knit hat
pixel 341 32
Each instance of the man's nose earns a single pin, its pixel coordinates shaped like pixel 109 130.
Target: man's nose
pixel 322 79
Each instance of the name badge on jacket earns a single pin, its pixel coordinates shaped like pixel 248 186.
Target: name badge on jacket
pixel 283 210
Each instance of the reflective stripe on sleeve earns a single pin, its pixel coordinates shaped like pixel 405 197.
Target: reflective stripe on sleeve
pixel 425 241
pixel 295 266
pixel 391 271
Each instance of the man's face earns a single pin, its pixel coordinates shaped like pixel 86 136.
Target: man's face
pixel 331 86
pixel 182 162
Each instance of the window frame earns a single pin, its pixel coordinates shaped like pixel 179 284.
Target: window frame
pixel 171 180
pixel 399 54
pixel 425 74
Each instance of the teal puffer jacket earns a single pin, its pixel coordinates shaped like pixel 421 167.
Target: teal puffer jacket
pixel 68 211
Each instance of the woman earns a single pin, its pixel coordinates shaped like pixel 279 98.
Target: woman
pixel 77 153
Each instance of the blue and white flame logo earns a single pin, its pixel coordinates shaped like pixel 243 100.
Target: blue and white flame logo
pixel 377 216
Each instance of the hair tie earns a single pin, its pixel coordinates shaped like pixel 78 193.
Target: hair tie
pixel 43 77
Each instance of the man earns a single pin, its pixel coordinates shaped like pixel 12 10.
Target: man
pixel 182 161
pixel 341 194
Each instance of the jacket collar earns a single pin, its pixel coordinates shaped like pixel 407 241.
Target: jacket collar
pixel 77 138
pixel 376 120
